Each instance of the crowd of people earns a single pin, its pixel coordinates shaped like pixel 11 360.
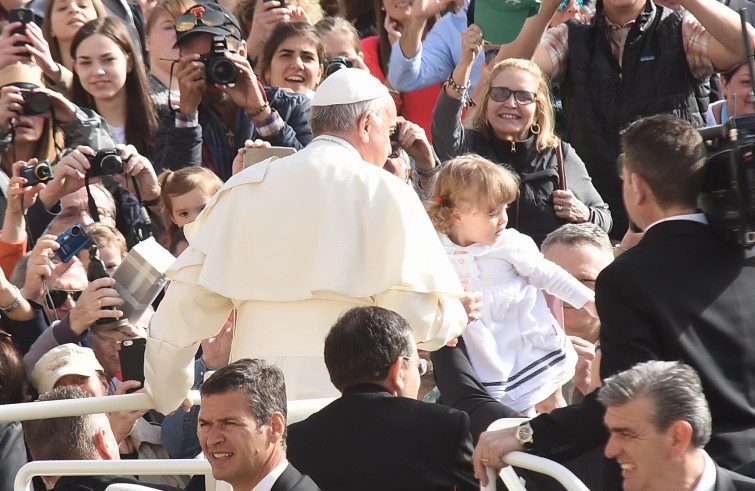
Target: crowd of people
pixel 432 216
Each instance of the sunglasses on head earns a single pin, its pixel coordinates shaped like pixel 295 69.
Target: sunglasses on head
pixel 56 298
pixel 198 16
pixel 502 94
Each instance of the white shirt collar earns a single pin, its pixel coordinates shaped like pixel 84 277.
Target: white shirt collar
pixel 693 217
pixel 266 484
pixel 707 481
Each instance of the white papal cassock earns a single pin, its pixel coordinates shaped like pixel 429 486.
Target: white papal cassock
pixel 291 244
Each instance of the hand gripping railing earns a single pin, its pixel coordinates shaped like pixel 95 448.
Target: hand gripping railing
pixel 144 467
pixel 530 462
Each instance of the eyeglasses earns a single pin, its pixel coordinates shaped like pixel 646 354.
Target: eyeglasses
pixel 502 94
pixel 200 16
pixel 57 298
pixel 115 343
pixel 421 365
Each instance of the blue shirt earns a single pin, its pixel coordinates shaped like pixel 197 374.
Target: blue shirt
pixel 437 57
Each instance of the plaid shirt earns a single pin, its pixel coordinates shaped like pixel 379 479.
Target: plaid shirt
pixel 695 38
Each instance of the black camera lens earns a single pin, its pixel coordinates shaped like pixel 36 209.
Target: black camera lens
pixel 221 70
pixel 111 164
pixel 336 63
pixel 42 171
pixel 36 103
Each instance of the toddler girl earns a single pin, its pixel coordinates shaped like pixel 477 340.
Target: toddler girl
pixel 519 352
pixel 184 194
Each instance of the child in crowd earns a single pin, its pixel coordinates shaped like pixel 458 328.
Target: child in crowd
pixel 184 193
pixel 340 38
pixel 110 243
pixel 519 352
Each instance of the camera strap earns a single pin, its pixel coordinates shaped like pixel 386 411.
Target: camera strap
pixel 93 211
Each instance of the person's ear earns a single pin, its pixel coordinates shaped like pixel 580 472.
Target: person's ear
pixel 396 376
pixel 129 63
pixel 642 191
pixel 680 438
pixel 104 441
pixel 364 125
pixel 276 427
pixel 242 48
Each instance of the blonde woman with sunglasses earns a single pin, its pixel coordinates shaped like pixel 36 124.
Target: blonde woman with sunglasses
pixel 512 124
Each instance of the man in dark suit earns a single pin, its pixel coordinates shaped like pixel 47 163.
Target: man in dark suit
pixel 377 436
pixel 683 293
pixel 242 428
pixel 658 421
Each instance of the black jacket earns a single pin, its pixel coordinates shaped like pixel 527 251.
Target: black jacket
pixel 370 440
pixel 207 144
pixel 600 97
pixel 532 213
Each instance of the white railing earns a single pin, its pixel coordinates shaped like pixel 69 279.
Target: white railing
pixel 107 467
pixel 297 410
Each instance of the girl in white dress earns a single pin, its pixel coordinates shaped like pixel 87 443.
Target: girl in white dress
pixel 519 352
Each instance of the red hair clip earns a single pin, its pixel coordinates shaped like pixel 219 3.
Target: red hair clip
pixel 438 199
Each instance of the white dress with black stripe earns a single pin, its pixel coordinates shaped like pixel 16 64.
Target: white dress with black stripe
pixel 519 352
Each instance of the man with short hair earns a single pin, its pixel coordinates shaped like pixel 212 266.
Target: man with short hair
pixel 680 294
pixel 583 250
pixel 658 421
pixel 214 120
pixel 292 243
pixel 377 436
pixel 242 428
pixel 86 437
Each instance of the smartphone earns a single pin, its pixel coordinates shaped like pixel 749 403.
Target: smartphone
pixel 256 155
pixel 24 16
pixel 132 360
pixel 71 242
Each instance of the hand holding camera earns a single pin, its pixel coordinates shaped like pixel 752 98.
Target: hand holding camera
pixel 100 300
pixel 267 15
pixel 140 168
pixel 412 138
pixel 40 267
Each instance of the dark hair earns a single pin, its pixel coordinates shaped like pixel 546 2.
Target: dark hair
pixel 363 344
pixel 74 436
pixel 669 154
pixel 49 36
pixel 141 116
pixel 674 388
pixel 262 383
pixel 282 32
pixel 12 372
pixel 729 74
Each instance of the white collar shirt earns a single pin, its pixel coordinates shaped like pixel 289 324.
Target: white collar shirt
pixel 266 484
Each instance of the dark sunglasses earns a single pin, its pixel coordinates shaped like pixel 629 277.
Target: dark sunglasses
pixel 199 16
pixel 59 297
pixel 502 94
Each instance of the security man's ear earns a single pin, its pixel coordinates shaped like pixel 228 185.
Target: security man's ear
pixel 277 427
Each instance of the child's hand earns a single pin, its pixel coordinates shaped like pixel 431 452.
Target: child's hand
pixel 472 302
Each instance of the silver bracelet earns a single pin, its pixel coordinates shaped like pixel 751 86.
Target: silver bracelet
pixel 16 303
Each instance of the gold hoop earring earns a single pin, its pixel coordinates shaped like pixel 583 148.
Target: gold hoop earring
pixel 535 128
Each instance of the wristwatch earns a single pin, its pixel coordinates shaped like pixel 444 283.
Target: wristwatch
pixel 525 435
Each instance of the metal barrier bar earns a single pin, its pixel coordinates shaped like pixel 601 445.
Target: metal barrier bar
pixel 537 464
pixel 108 467
pixel 77 407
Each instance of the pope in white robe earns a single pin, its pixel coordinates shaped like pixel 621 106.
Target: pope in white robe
pixel 291 244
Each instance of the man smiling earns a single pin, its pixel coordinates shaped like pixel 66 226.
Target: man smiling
pixel 242 428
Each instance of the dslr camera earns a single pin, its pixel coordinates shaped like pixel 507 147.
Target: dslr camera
pixel 219 69
pixel 36 173
pixel 336 63
pixel 106 162
pixel 35 102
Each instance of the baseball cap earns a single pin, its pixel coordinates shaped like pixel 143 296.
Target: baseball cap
pixel 502 20
pixel 207 17
pixel 66 359
pixel 347 86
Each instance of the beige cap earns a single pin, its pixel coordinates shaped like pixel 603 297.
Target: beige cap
pixel 347 86
pixel 21 73
pixel 66 359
